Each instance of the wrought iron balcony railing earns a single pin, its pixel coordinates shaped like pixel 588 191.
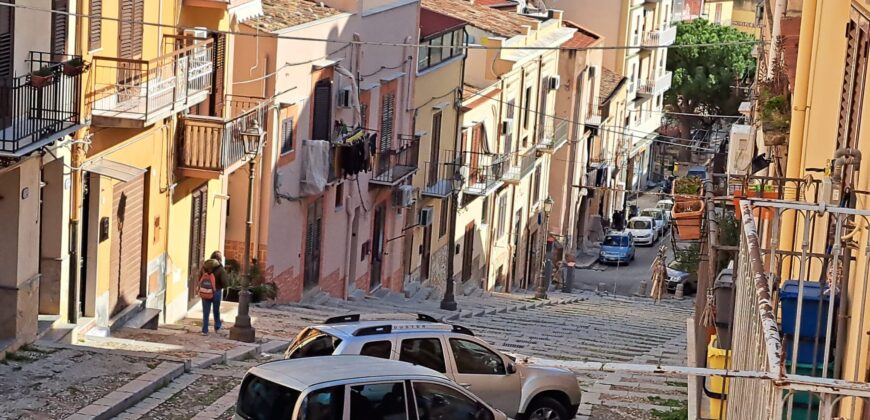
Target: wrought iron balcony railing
pixel 657 86
pixel 396 164
pixel 137 93
pixel 520 165
pixel 554 135
pixel 36 112
pixel 483 172
pixel 660 38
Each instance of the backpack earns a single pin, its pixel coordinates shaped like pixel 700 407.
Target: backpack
pixel 206 286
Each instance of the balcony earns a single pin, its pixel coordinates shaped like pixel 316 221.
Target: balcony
pixel 554 135
pixel 655 87
pixel 483 172
pixel 520 166
pixel 593 117
pixel 137 93
pixel 211 146
pixel 394 165
pixel 33 117
pixel 660 38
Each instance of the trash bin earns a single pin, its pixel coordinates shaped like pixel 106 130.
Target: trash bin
pixel 723 291
pixel 716 387
pixel 804 405
pixel 814 317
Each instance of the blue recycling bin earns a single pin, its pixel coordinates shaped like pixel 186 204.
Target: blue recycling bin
pixel 814 317
pixel 809 350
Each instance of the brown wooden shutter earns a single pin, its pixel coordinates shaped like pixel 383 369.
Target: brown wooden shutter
pixel 851 97
pixel 219 79
pixel 95 25
pixel 59 22
pixel 322 110
pixel 7 41
pixel 388 105
pixel 130 28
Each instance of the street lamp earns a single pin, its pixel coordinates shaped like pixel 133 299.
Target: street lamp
pixel 541 292
pixel 449 302
pixel 252 139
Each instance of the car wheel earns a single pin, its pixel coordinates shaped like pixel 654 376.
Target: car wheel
pixel 546 408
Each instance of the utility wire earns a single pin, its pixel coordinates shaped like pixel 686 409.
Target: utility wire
pixel 377 43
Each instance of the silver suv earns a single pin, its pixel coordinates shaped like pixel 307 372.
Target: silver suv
pixel 519 390
pixel 354 388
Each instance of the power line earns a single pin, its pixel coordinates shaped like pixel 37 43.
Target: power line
pixel 376 43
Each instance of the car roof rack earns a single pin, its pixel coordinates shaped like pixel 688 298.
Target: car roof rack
pixel 378 329
pixel 426 318
pixel 462 330
pixel 342 319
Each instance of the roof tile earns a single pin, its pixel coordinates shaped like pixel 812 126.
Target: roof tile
pixel 281 14
pixel 499 22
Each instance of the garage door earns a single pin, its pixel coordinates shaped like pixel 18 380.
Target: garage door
pixel 126 243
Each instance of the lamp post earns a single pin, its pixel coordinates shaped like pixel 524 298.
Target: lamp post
pixel 252 138
pixel 449 302
pixel 541 292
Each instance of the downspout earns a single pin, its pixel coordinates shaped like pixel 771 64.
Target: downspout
pixel 169 190
pixel 350 277
pixel 491 206
pixel 457 156
pixel 76 198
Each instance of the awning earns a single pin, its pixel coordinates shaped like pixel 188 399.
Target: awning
pixel 115 170
pixel 247 10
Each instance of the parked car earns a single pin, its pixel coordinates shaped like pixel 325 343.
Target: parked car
pixel 678 273
pixel 658 217
pixel 643 230
pixel 666 206
pixel 617 247
pixel 518 389
pixel 326 388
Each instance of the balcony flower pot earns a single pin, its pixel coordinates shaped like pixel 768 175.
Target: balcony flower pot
pixel 74 67
pixel 687 188
pixel 775 118
pixel 687 219
pixel 42 77
pixel 756 191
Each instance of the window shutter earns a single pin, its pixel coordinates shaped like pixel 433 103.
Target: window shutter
pixel 219 79
pixel 286 135
pixel 7 41
pixel 59 22
pixel 130 28
pixel 137 27
pixel 322 110
pixel 853 80
pixel 388 104
pixel 95 25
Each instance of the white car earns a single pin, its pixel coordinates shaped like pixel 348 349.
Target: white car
pixel 666 206
pixel 643 229
pixel 658 217
pixel 354 387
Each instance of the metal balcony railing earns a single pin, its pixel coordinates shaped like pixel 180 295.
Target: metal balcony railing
pixel 136 93
pixel 661 37
pixel 483 172
pixel 798 322
pixel 520 166
pixel 32 114
pixel 554 135
pixel 657 86
pixel 394 165
pixel 211 146
pixel 593 116
pixel 438 175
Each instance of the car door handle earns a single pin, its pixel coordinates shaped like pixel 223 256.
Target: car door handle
pixel 466 386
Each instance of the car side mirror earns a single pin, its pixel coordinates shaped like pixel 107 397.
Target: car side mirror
pixel 511 368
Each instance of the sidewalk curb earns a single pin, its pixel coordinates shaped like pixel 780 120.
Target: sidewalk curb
pixel 130 394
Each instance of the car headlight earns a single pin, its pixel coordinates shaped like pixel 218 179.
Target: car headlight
pixel 601 254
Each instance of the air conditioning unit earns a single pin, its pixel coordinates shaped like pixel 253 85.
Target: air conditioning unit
pixel 343 100
pixel 506 126
pixel 740 149
pixel 426 216
pixel 404 196
pixel 553 82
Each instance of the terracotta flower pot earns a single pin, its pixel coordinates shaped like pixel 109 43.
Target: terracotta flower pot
pixel 72 70
pixel 41 81
pixel 687 219
pixel 765 213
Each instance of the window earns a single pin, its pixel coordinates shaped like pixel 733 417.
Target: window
pixel 339 195
pixel 474 359
pixel 447 39
pixel 435 53
pixel 426 352
pixel 440 402
pixel 322 115
pixel 436 50
pixel 260 399
pixel 510 108
pixel 422 58
pixel 536 191
pixel 525 141
pixel 485 211
pixel 323 404
pixel 436 143
pixel 312 342
pixel 59 26
pixel 7 46
pixel 444 217
pixel 385 401
pixel 639 224
pixel 502 216
pixel 95 25
pixel 130 28
pixel 851 96
pixel 388 103
pixel 527 108
pixel 287 135
pixel 364 115
pixel 380 349
pixel 613 240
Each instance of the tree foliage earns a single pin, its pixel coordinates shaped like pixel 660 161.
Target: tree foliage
pixel 704 77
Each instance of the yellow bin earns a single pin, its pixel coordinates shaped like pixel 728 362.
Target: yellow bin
pixel 716 387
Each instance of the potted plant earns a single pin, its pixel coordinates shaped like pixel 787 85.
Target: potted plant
pixel 234 281
pixel 775 119
pixel 759 191
pixel 42 77
pixel 686 188
pixel 74 66
pixel 687 219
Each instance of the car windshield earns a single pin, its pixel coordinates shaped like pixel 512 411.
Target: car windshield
pixel 651 213
pixel 312 342
pixel 665 206
pixel 616 241
pixel 262 399
pixel 638 224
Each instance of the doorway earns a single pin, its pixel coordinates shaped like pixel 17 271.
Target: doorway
pixel 530 260
pixel 125 283
pixel 467 251
pixel 377 247
pixel 196 254
pixel 313 227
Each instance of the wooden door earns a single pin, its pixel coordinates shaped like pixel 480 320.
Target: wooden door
pixel 377 248
pixel 126 236
pixel 426 250
pixel 313 230
pixel 468 251
pixel 198 211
